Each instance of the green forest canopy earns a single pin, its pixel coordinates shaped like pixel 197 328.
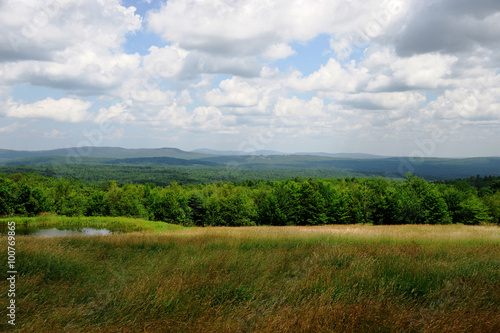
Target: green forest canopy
pixel 297 201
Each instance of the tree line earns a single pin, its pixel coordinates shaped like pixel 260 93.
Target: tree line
pixel 298 201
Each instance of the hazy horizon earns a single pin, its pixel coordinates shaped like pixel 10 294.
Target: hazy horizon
pixel 390 78
pixel 88 152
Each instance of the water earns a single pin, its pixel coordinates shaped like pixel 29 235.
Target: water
pixel 59 231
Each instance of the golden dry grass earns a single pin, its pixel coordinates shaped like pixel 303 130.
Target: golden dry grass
pixel 263 279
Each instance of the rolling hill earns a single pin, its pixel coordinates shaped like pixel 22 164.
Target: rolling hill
pixel 101 152
pixel 429 168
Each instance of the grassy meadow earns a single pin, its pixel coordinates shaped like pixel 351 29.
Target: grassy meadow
pixel 353 278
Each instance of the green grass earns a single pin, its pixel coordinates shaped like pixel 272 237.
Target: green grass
pixel 114 223
pixel 266 279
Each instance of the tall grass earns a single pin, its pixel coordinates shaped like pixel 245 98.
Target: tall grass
pixel 266 279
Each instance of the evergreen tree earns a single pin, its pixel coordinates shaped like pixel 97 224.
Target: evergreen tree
pixel 197 209
pixel 310 206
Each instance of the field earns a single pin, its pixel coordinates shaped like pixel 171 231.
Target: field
pixel 412 278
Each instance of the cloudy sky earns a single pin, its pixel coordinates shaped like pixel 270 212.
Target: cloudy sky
pixel 395 77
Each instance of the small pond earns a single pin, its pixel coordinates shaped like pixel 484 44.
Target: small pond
pixel 50 231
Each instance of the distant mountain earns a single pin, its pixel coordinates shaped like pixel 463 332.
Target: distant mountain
pixel 429 168
pixel 273 152
pixel 359 156
pixel 235 152
pixel 216 152
pixel 160 161
pixel 269 161
pixel 54 160
pixel 6 154
pixel 100 152
pixel 267 152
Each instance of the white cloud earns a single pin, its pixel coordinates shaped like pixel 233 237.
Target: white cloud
pixel 423 71
pixel 449 27
pixel 392 100
pixel 235 92
pixel 39 29
pixel 71 45
pixel 185 98
pixel 201 62
pixel 117 133
pixel 308 115
pixel 10 128
pixel 172 117
pixel 331 76
pixel 212 119
pixel 298 107
pixel 81 72
pixel 278 51
pixel 251 26
pixel 466 104
pixel 218 32
pixel 55 134
pixel 64 109
pixel 165 62
pixel 118 113
pixel 341 47
pixel 381 71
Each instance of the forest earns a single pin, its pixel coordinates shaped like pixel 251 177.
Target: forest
pixel 166 175
pixel 293 201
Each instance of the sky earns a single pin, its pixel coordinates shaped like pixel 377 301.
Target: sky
pixel 416 78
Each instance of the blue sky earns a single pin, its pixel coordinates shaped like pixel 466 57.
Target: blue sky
pixel 383 77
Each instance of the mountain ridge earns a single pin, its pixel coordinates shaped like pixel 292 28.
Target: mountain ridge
pixel 119 152
pixel 367 164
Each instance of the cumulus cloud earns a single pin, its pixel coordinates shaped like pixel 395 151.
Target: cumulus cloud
pixel 169 116
pixel 37 30
pixel 303 117
pixel 381 101
pixel 299 107
pixel 203 25
pixel 450 26
pixel 212 119
pixel 165 62
pixel 72 45
pixel 258 24
pixel 380 71
pixel 235 92
pixel 118 113
pixel 82 72
pixel 426 71
pixel 332 76
pixel 278 51
pixel 64 109
pixel 218 32
pixel 467 104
